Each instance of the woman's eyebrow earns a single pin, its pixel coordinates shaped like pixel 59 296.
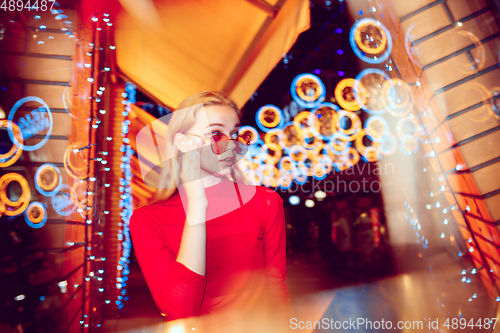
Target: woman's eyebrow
pixel 222 125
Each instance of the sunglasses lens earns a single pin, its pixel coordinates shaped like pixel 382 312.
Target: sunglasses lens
pixel 242 144
pixel 220 142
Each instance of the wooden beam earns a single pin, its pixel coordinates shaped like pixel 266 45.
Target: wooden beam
pixel 249 56
pixel 264 6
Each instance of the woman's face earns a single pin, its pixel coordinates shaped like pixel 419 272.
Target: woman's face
pixel 213 119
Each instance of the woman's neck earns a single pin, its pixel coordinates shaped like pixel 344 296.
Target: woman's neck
pixel 211 180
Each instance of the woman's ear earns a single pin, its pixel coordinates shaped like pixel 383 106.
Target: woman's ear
pixel 181 142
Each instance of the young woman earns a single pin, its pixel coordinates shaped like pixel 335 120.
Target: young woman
pixel 212 248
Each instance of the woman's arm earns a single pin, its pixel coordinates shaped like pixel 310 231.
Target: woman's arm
pixel 193 247
pixel 177 290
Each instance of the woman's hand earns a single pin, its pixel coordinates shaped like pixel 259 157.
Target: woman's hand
pixel 191 173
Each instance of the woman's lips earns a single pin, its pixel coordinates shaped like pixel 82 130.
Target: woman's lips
pixel 227 161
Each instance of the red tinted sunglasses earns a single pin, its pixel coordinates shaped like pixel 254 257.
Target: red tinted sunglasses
pixel 219 142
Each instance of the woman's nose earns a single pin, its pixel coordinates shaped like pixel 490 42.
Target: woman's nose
pixel 231 146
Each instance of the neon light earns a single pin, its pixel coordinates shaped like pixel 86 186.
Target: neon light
pixel 39 122
pixel 397 97
pixel 348 133
pixel 35 215
pixel 344 94
pixel 356 44
pixel 271 138
pixel 15 151
pixel 360 89
pixel 321 115
pixel 62 199
pixel 274 113
pixel 47 179
pixel 249 130
pixel 369 154
pixel 339 146
pixel 308 90
pixel 408 144
pixel 376 127
pixel 406 126
pixel 288 136
pixel 13 208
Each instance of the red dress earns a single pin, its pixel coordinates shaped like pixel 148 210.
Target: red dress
pixel 245 288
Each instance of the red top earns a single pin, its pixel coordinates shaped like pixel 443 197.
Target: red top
pixel 245 282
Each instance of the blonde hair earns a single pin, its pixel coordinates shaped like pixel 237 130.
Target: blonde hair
pixel 180 122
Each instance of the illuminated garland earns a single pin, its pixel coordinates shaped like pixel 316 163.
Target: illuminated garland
pixel 125 203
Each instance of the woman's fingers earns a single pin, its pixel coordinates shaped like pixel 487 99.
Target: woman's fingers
pixel 191 161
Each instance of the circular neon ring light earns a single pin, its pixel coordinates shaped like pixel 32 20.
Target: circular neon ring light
pixel 248 166
pixel 255 151
pixel 326 160
pixel 258 179
pixel 266 170
pixel 47 189
pixel 479 63
pixel 11 121
pixel 297 122
pixel 35 215
pixel 314 116
pixel 359 87
pixel 261 121
pixel 254 134
pixel 398 108
pixel 485 95
pixel 296 151
pixel 289 132
pixel 348 160
pixel 286 164
pixel 320 171
pixel 2 208
pixel 348 134
pixel 299 174
pixel 69 193
pixel 274 158
pixel 371 130
pixel 70 168
pixel 303 99
pixel 22 203
pixel 369 154
pixel 309 140
pixel 271 182
pixel 359 52
pixel 275 132
pixel 388 144
pixel 408 145
pixel 351 105
pixel 359 42
pixel 80 203
pixel 401 131
pixel 285 181
pixel 314 159
pixel 15 151
pixel 330 152
pixel 339 146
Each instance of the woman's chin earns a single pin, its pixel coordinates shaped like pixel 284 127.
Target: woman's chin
pixel 223 172
pixel 220 173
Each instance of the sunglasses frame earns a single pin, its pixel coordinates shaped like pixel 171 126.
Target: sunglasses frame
pixel 210 137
